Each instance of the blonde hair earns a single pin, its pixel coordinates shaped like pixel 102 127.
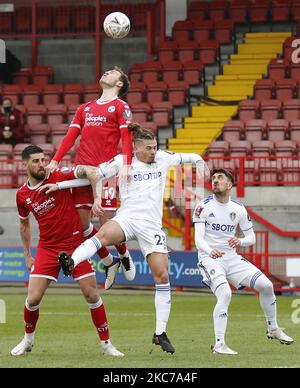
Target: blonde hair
pixel 139 133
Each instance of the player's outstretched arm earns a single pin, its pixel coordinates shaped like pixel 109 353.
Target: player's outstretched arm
pixel 26 238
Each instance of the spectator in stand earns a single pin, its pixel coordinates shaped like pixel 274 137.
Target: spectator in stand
pixel 11 124
pixel 11 65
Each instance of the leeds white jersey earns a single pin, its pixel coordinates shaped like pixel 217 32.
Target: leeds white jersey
pixel 142 197
pixel 221 221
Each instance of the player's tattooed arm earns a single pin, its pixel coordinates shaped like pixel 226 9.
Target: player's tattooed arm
pixel 26 238
pixel 94 176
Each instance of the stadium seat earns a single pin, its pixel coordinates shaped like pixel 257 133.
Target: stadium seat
pixel 6 151
pixel 71 112
pixel 224 31
pixel 187 50
pixel 5 22
pixel 203 30
pixel 182 30
pixel 258 11
pixel 13 92
pixel 136 93
pixel 56 114
pixel 285 89
pixel 58 132
pixel 239 11
pixel 241 148
pixel 35 114
pixel 48 149
pixel 263 148
pixel 270 109
pixel 83 19
pixel 135 72
pixel 295 130
pixel 218 10
pixel 172 71
pixel 152 71
pixel 42 75
pixel 22 108
pixel 162 113
pixel 218 148
pixel 209 52
pixel 6 166
pixel 278 130
pixel 233 130
pixel 264 89
pixel 31 95
pixel 157 91
pixel 22 20
pixel 295 71
pixel 278 68
pixel 39 133
pixel 177 92
pixel 141 112
pixel 22 76
pixel 192 72
pixel 44 19
pixel 52 94
pixel 198 10
pixel 62 19
pixel 151 125
pixel 91 92
pixel 286 148
pixel 167 51
pixel 256 130
pixel 248 110
pixel 18 149
pixel 295 11
pixel 72 94
pixel 291 109
pixel 280 11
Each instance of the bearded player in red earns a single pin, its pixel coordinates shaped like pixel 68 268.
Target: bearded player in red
pixel 102 124
pixel 53 213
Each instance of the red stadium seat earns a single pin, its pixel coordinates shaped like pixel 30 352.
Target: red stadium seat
pixel 42 75
pixel 83 18
pixel 295 71
pixel 224 31
pixel 141 112
pixel 5 22
pixel 31 95
pixel 44 19
pixel 256 130
pixel 198 10
pixel 48 149
pixel 136 93
pixel 18 149
pixel 167 51
pixel 285 89
pixel 157 91
pixel 13 92
pixel 263 148
pixel 71 112
pixel 218 148
pixel 56 114
pixel 6 151
pixel 295 130
pixel 162 113
pixel 52 94
pixel 239 11
pixel 278 130
pixel 209 52
pixel 135 72
pixel 39 133
pixel 278 68
pixel 22 20
pixel 270 109
pixel 248 110
pixel 258 11
pixel 151 71
pixel 218 10
pixel 280 10
pixel 91 92
pixel 291 109
pixel 187 50
pixel 232 130
pixel 240 148
pixel 295 11
pixel 172 71
pixel 23 76
pixel 62 19
pixel 264 89
pixel 36 114
pixel 58 132
pixel 151 125
pixel 203 30
pixel 286 148
pixel 177 92
pixel 192 72
pixel 182 30
pixel 72 94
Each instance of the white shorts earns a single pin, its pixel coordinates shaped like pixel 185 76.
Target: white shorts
pixel 238 271
pixel 151 237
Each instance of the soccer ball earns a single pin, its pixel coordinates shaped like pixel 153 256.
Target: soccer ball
pixel 116 25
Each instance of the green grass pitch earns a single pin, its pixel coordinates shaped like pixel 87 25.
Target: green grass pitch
pixel 66 337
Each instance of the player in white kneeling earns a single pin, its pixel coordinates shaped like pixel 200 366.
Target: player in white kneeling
pixel 216 220
pixel 140 218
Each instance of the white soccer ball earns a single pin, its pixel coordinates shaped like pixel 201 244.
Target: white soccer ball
pixel 116 25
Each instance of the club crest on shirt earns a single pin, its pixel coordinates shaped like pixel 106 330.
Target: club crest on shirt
pixel 111 109
pixel 232 216
pixel 198 211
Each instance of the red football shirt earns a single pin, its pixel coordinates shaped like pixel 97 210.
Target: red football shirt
pixel 101 125
pixel 59 223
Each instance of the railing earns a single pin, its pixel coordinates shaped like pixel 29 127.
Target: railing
pixel 36 19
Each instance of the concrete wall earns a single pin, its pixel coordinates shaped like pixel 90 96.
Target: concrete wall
pixel 175 10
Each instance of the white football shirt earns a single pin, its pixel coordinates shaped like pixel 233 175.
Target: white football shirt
pixel 142 197
pixel 221 221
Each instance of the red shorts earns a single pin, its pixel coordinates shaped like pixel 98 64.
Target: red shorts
pixel 46 265
pixel 83 196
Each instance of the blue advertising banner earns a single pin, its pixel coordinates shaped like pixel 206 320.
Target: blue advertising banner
pixel 183 269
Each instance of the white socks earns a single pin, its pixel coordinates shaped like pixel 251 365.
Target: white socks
pixel 223 295
pixel 267 300
pixel 86 250
pixel 162 306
